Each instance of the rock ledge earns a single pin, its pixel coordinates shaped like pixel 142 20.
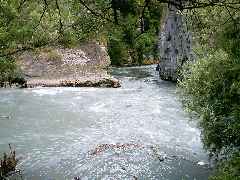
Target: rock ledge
pixel 107 82
pixel 83 66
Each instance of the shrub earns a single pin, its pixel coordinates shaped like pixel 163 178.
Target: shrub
pixel 144 46
pixel 117 50
pixel 211 88
pixel 9 72
pixel 228 170
pixel 8 163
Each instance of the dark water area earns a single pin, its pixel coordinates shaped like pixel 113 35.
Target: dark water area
pixel 138 131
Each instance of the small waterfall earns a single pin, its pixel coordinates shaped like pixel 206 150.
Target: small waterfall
pixel 174 44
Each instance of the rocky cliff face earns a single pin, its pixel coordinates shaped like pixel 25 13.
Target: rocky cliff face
pixel 174 44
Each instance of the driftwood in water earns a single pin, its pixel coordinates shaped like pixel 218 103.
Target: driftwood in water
pixel 8 163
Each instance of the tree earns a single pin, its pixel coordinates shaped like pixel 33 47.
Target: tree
pixel 210 86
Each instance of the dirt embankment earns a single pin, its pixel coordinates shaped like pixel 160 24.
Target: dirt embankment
pixel 83 66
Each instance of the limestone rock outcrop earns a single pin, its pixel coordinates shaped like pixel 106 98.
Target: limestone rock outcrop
pixel 174 44
pixel 58 66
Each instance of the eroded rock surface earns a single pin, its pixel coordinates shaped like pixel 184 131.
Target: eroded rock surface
pixel 174 44
pixel 84 66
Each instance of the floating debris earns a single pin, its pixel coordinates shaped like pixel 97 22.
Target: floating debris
pixel 103 147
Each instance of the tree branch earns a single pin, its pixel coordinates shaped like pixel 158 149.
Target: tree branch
pixel 94 12
pixel 143 15
pixel 60 18
pixel 42 15
pixel 21 4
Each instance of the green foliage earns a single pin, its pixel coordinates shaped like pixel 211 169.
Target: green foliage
pixel 229 38
pixel 136 41
pixel 211 88
pixel 31 24
pixel 228 170
pixel 144 46
pixel 9 73
pixel 124 48
pixel 117 50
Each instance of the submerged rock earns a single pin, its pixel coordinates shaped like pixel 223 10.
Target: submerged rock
pixel 103 147
pixel 108 82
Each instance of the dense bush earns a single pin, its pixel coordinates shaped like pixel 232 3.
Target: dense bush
pixel 123 48
pixel 228 170
pixel 117 49
pixel 229 38
pixel 211 88
pixel 31 24
pixel 134 40
pixel 9 73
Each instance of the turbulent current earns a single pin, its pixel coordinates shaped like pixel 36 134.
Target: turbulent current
pixel 138 131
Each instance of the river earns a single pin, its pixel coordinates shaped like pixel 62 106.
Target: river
pixel 138 131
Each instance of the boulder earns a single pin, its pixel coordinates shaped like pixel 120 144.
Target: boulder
pixel 83 66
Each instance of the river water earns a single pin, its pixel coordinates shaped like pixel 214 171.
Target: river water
pixel 138 131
